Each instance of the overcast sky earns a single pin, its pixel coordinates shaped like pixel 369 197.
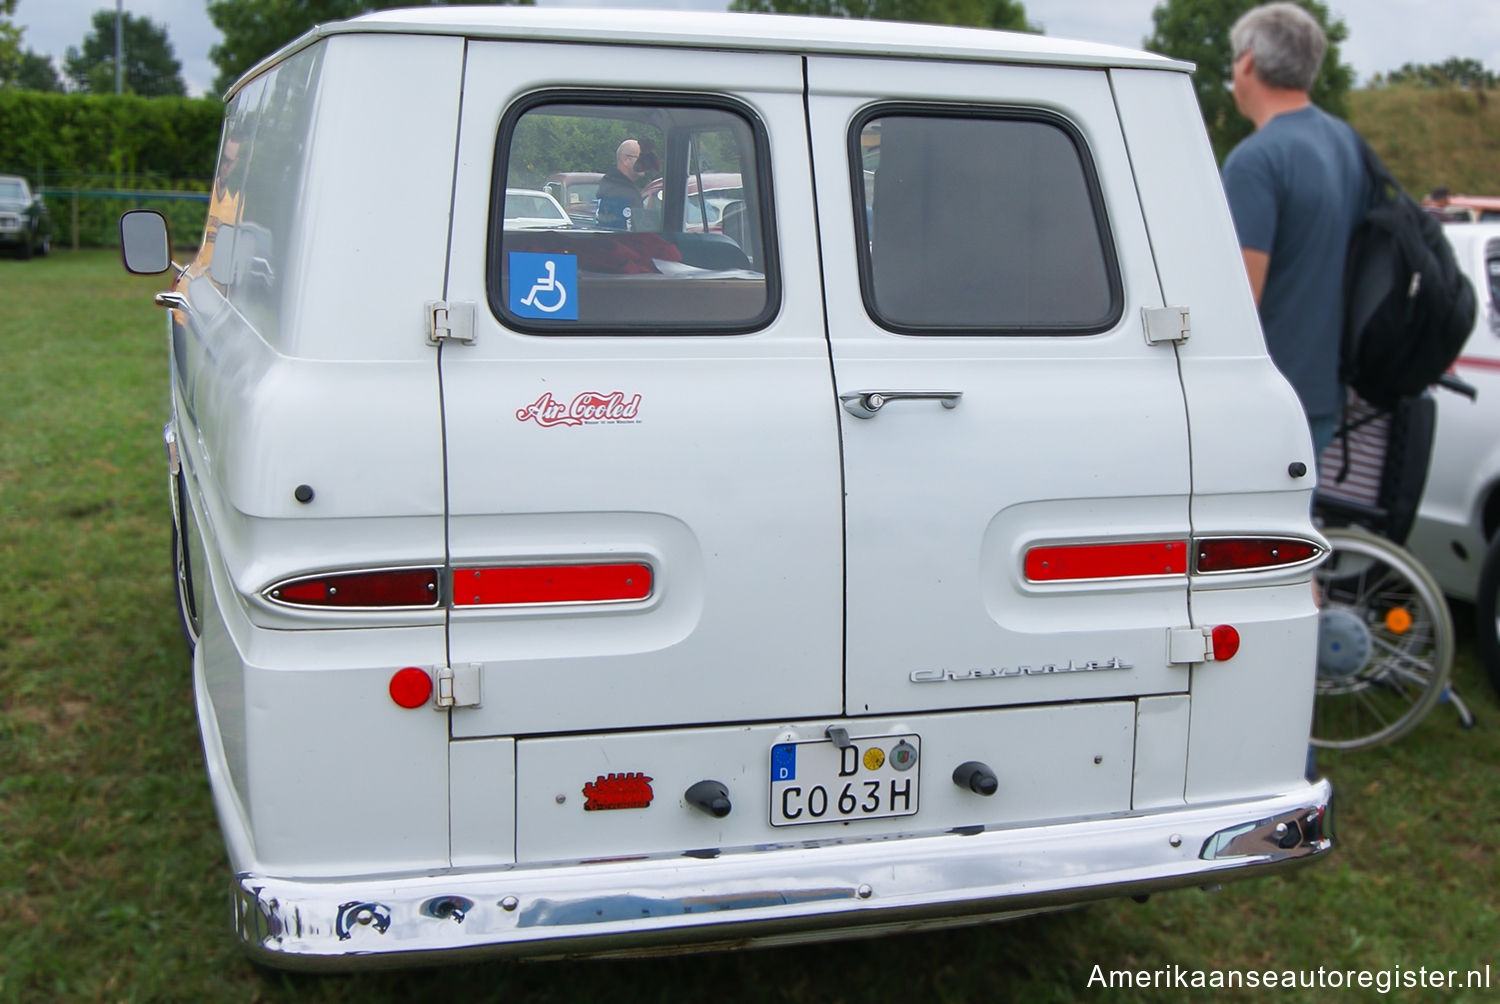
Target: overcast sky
pixel 1383 34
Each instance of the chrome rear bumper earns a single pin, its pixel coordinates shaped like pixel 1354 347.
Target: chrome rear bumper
pixel 786 892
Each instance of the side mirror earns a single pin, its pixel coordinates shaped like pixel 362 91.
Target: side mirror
pixel 144 244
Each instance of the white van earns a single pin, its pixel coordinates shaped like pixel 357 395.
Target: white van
pixel 929 542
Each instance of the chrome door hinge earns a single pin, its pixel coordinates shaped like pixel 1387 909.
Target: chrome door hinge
pixel 450 322
pixel 1166 324
pixel 458 686
pixel 1189 644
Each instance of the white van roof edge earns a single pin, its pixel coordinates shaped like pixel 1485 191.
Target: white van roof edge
pixel 728 30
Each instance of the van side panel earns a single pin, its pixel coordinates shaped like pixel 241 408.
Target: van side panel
pixel 339 157
pixel 1250 715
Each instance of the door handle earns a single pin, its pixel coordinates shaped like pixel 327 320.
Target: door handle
pixel 865 403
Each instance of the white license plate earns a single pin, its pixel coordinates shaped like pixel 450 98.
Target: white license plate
pixel 817 782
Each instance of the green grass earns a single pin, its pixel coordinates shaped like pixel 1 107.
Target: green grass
pixel 113 880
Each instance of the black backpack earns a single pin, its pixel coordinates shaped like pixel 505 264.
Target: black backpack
pixel 1408 308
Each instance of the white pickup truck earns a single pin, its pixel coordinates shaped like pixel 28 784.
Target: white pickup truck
pixel 926 539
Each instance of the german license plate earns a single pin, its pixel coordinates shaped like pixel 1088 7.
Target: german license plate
pixel 817 782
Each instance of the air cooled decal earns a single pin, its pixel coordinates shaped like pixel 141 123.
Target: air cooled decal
pixel 588 408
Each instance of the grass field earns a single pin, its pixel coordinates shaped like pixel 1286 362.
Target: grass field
pixel 113 881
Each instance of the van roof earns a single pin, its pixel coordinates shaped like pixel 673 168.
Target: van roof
pixel 723 30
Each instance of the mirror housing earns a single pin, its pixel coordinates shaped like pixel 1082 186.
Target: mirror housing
pixel 145 245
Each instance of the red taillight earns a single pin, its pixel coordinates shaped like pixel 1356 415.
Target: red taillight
pixel 1239 554
pixel 410 687
pixel 396 587
pixel 1106 561
pixel 525 584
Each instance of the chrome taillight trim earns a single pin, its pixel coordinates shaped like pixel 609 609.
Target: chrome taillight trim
pixel 1320 551
pixel 269 592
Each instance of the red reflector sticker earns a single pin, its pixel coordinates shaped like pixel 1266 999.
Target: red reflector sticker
pixel 1238 554
pixel 1106 561
pixel 617 791
pixel 522 584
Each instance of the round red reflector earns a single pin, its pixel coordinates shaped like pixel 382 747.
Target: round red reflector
pixel 1226 642
pixel 411 687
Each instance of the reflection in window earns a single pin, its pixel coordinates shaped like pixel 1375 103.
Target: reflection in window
pixel 632 218
pixel 982 225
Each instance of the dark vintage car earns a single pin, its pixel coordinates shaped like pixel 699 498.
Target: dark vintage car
pixel 25 225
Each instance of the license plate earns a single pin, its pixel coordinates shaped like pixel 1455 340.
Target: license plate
pixel 817 782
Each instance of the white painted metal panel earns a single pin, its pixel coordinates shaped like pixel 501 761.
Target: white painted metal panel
pixel 1161 745
pixel 726 483
pixel 482 803
pixel 1252 713
pixel 1057 439
pixel 1051 763
pixel 1448 535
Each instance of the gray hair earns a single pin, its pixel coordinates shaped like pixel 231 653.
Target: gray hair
pixel 1287 42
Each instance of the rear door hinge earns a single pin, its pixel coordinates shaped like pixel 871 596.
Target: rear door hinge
pixel 450 322
pixel 458 686
pixel 1189 644
pixel 1166 324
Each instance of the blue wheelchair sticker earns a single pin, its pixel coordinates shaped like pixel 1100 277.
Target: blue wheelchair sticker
pixel 784 762
pixel 544 285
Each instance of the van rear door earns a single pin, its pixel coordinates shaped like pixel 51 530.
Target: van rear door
pixel 1016 453
pixel 642 453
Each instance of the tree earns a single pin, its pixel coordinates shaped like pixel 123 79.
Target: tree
pixel 10 35
pixel 21 68
pixel 10 43
pixel 33 72
pixel 253 29
pixel 1452 72
pixel 1005 14
pixel 151 68
pixel 1198 31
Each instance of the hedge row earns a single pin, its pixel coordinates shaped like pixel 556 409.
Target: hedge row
pixel 78 147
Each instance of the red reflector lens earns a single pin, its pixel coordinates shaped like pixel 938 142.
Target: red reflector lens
pixel 1235 554
pixel 1226 642
pixel 402 587
pixel 618 791
pixel 1106 561
pixel 411 687
pixel 550 584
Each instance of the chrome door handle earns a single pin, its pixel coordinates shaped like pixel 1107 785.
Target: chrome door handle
pixel 865 403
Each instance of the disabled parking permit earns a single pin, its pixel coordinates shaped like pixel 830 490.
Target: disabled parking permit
pixel 544 285
pixel 819 782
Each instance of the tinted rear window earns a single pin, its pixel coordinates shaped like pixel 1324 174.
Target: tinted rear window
pixel 978 224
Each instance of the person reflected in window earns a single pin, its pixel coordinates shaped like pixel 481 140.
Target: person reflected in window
pixel 619 194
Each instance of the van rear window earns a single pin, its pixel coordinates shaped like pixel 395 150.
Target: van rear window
pixel 634 216
pixel 981 224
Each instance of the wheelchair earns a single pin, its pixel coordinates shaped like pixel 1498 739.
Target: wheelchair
pixel 1386 640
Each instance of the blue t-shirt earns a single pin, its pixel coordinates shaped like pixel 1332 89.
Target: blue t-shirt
pixel 1296 189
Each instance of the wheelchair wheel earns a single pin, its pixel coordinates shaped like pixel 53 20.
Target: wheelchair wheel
pixel 1385 642
pixel 1487 614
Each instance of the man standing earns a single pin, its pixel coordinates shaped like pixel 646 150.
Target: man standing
pixel 1296 188
pixel 619 196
